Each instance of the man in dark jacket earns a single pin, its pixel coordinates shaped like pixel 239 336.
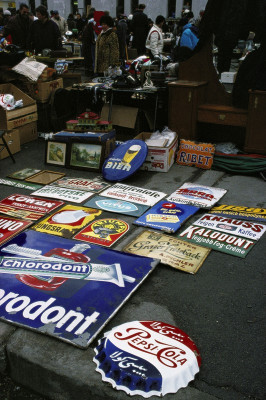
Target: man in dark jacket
pixel 140 29
pixel 45 33
pixel 19 27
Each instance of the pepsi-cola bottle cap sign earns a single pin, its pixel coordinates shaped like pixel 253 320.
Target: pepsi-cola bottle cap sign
pixel 125 160
pixel 147 358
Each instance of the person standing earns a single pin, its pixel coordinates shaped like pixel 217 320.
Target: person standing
pixel 107 47
pixel 140 29
pixel 154 42
pixel 88 45
pixel 121 30
pixel 61 22
pixel 19 27
pixel 44 33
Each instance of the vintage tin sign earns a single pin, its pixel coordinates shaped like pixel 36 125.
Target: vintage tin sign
pixel 10 227
pixel 135 194
pixel 21 185
pixel 224 242
pixel 67 221
pixel 195 154
pixel 147 358
pixel 251 230
pixel 54 192
pixel 104 232
pixel 197 195
pixel 125 160
pixel 166 216
pixel 22 214
pixel 73 310
pixel 30 203
pixel 241 212
pixel 87 185
pixel 116 206
pixel 187 257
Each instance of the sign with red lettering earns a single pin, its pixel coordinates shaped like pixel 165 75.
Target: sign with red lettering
pixel 195 154
pixel 9 227
pixel 154 358
pixel 251 230
pixel 88 185
pixel 197 195
pixel 220 241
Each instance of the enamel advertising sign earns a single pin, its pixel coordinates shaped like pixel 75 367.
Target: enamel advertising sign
pixel 135 194
pixel 54 192
pixel 166 216
pixel 197 195
pixel 104 232
pixel 195 154
pixel 242 212
pixel 10 226
pixel 116 206
pixel 187 257
pixel 250 230
pixel 28 207
pixel 220 241
pixel 73 310
pixel 67 221
pixel 87 185
pixel 21 185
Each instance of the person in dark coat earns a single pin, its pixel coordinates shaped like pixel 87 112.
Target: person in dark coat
pixel 71 22
pixel 140 29
pixel 19 27
pixel 45 33
pixel 121 30
pixel 88 46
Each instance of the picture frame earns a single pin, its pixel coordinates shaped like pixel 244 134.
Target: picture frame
pixel 85 155
pixel 45 177
pixel 24 173
pixel 55 153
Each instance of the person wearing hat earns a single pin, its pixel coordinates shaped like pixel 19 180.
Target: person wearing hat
pixel 19 27
pixel 60 21
pixel 107 47
pixel 6 18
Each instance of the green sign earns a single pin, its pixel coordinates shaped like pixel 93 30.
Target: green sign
pixel 220 241
pixel 22 185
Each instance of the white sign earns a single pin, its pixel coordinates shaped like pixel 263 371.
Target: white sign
pixel 197 195
pixel 87 185
pixel 135 194
pixel 74 196
pixel 246 229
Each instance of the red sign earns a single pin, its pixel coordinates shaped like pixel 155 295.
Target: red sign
pixel 31 203
pixel 10 227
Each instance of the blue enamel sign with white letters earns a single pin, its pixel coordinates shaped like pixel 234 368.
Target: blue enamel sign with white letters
pixel 116 206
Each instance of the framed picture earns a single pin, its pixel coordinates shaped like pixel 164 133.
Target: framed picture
pixel 24 173
pixel 45 177
pixel 55 153
pixel 85 155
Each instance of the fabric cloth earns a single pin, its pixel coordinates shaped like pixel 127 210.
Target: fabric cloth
pixel 45 36
pixel 154 42
pixel 19 29
pixel 189 38
pixel 62 24
pixel 107 51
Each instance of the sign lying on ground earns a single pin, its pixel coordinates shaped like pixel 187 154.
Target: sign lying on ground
pixel 28 206
pixel 241 212
pixel 135 194
pixel 224 242
pixel 195 154
pixel 251 230
pixel 73 310
pixel 166 216
pixel 67 221
pixel 171 251
pixel 87 185
pixel 54 192
pixel 197 195
pixel 22 185
pixel 10 227
pixel 116 206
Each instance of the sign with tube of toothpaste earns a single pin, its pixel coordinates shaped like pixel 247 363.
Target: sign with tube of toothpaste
pixel 67 221
pixel 66 288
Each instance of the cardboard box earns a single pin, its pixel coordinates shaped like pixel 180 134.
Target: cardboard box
pixel 121 115
pixel 19 116
pixel 13 141
pixel 159 159
pixel 228 77
pixel 27 133
pixel 44 89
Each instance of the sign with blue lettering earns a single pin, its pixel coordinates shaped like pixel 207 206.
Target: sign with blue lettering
pixel 166 216
pixel 125 160
pixel 117 206
pixel 72 309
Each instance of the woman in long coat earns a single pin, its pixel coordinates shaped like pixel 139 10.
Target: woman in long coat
pixel 107 46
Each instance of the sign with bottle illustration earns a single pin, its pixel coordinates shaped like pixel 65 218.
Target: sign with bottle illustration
pixel 65 288
pixel 125 160
pixel 67 221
